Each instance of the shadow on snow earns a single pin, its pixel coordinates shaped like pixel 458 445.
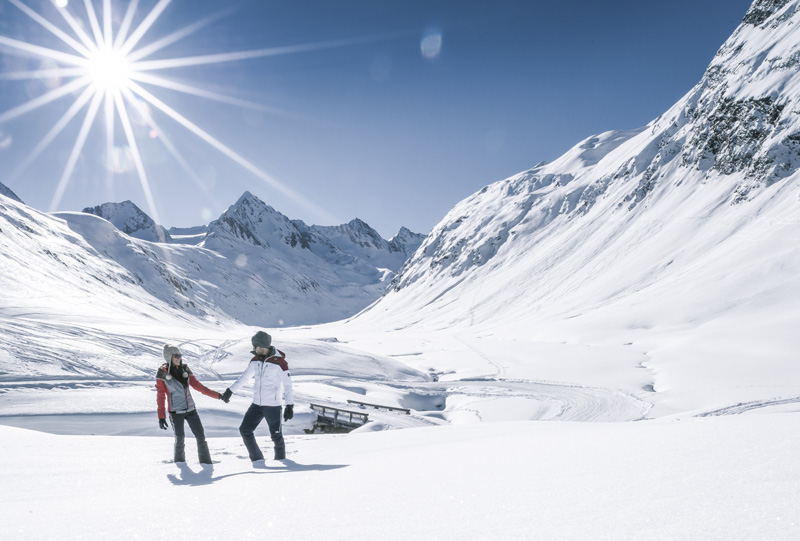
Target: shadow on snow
pixel 205 476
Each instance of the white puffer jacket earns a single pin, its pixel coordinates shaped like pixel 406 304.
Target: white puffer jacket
pixel 270 374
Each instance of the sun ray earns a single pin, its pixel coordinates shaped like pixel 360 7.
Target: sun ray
pixel 137 160
pixel 122 32
pixel 44 100
pixel 245 55
pixel 109 112
pixel 78 29
pixel 94 23
pixel 140 31
pixel 41 74
pixel 76 151
pixel 268 179
pixel 45 52
pixel 166 141
pixel 54 131
pixel 50 26
pixel 108 38
pixel 187 89
pixel 174 37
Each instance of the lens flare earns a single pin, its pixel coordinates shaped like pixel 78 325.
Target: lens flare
pixel 431 44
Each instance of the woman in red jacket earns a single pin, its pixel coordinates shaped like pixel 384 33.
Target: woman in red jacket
pixel 172 383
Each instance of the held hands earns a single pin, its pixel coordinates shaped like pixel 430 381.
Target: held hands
pixel 226 396
pixel 162 423
pixel 288 412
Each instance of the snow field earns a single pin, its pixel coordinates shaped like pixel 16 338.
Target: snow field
pixel 714 478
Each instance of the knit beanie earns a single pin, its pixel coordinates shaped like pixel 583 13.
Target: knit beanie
pixel 169 351
pixel 180 370
pixel 261 340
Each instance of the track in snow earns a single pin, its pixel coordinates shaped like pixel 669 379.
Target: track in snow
pixel 745 407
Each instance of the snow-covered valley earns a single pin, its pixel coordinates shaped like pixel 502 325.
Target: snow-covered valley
pixel 602 347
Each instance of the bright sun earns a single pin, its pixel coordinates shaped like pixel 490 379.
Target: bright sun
pixel 109 69
pixel 103 62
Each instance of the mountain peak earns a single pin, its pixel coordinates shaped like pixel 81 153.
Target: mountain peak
pixel 358 223
pixel 244 197
pixel 248 219
pixel 131 220
pixel 406 241
pixel 5 190
pixel 761 10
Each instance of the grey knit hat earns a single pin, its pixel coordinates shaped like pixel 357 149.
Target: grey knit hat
pixel 261 340
pixel 169 351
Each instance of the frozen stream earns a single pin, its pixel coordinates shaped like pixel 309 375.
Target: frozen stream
pixel 124 407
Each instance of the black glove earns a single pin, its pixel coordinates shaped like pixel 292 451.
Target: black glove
pixel 226 396
pixel 162 423
pixel 288 412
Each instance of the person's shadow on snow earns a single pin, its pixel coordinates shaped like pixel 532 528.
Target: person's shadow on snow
pixel 205 476
pixel 286 465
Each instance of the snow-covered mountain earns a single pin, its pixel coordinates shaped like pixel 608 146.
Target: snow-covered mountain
pixel 730 147
pixel 131 220
pixel 283 272
pixel 679 238
pixel 70 272
pixel 252 221
pixel 350 245
pixel 406 242
pixel 252 264
pixel 5 190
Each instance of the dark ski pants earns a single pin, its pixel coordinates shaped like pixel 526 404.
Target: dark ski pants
pixel 252 418
pixel 193 420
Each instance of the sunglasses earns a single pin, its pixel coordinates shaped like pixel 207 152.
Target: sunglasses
pixel 177 356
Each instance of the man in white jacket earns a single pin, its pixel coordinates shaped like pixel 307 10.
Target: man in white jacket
pixel 270 374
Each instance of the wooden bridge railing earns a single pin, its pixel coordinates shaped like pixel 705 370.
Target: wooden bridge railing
pixel 378 406
pixel 338 417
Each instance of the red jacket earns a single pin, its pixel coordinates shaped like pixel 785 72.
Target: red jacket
pixel 177 396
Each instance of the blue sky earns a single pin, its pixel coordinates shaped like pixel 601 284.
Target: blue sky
pixel 392 112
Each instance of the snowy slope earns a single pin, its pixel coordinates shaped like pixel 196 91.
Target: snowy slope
pixel 673 248
pixel 188 235
pixel 732 479
pixel 66 308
